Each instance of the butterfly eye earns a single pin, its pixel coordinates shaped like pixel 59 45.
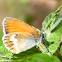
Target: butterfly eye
pixel 17 34
pixel 43 35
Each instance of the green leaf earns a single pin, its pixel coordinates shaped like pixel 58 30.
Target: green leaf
pixel 52 27
pixel 40 58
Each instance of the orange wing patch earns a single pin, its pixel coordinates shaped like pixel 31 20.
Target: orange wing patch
pixel 10 45
pixel 12 25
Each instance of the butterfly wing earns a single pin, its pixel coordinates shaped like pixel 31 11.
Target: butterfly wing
pixel 18 36
pixel 12 25
pixel 18 42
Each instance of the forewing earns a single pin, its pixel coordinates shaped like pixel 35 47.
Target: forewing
pixel 12 25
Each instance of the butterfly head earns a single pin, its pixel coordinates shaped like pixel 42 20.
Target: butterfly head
pixel 43 35
pixel 40 38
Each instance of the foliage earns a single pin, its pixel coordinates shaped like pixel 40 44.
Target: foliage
pixel 52 26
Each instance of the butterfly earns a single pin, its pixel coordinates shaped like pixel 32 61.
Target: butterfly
pixel 19 36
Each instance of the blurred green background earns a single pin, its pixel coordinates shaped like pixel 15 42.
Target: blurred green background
pixel 32 12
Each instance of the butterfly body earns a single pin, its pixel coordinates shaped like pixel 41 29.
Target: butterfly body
pixel 19 36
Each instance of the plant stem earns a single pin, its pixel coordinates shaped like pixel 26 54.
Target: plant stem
pixel 57 53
